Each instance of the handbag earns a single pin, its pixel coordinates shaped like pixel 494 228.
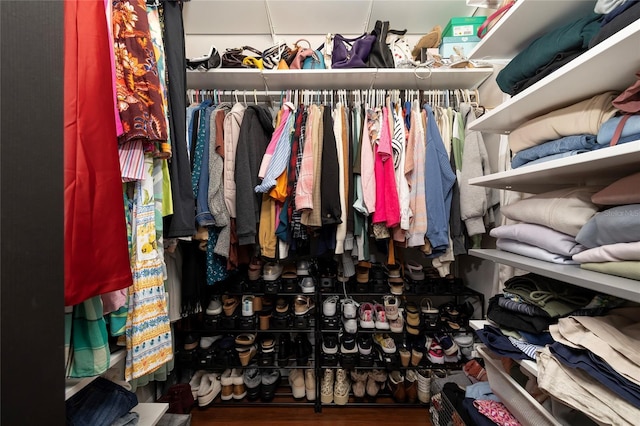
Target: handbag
pixel 351 52
pixel 493 19
pixel 206 62
pixel 401 52
pixel 381 55
pixel 179 397
pixel 307 59
pixel 235 58
pixel 272 56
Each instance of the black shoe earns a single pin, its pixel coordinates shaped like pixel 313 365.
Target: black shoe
pixel 270 382
pixel 348 344
pixel 304 349
pixel 364 344
pixel 285 349
pixel 330 343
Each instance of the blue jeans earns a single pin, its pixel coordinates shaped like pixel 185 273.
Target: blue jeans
pixel 99 404
pixel 558 146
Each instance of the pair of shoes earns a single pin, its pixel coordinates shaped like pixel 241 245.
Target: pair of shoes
pixel 385 342
pixel 404 388
pixel 303 349
pixel 285 349
pixel 208 388
pixel 232 382
pixel 303 304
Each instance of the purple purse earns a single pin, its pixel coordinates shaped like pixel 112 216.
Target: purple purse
pixel 351 52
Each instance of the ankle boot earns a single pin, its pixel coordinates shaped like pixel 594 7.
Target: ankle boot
pixel 396 384
pixel 411 386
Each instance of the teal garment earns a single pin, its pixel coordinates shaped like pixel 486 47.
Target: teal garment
pixel 87 340
pixel 571 36
pixel 216 264
pixel 201 139
pixel 118 321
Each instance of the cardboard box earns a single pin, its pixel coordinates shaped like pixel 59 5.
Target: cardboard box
pixel 463 26
pixel 464 44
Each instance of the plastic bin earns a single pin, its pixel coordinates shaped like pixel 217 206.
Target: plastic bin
pixel 463 26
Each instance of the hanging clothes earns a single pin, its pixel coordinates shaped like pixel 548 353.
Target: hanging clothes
pixel 255 134
pixel 439 180
pixel 148 333
pixel 182 222
pixel 95 237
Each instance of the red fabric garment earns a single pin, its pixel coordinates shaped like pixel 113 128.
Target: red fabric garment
pixel 95 235
pixel 387 202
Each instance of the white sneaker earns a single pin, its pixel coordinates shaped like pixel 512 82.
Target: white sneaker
pixel 214 307
pixel 350 325
pixel 330 305
pixel 349 308
pixel 366 316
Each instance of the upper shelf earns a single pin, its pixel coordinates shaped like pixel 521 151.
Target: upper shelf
pixel 611 65
pixel 590 168
pixel 524 22
pixel 357 78
pixel 609 284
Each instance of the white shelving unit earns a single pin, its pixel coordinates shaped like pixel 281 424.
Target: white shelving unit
pixel 525 22
pixel 528 365
pixel 357 78
pixel 589 168
pixel 150 413
pixel 610 284
pixel 590 74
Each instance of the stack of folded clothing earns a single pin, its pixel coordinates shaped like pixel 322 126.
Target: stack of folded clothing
pixel 594 365
pixel 551 221
pixel 612 235
pixel 537 241
pixel 556 48
pixel 527 309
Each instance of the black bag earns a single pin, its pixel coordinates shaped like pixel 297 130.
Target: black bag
pixel 381 55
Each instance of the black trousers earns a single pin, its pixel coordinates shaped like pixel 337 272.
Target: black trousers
pixel 182 222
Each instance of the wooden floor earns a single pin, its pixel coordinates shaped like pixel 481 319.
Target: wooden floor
pixel 330 416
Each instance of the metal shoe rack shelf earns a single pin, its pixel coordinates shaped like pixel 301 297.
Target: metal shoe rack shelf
pixel 435 289
pixel 438 290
